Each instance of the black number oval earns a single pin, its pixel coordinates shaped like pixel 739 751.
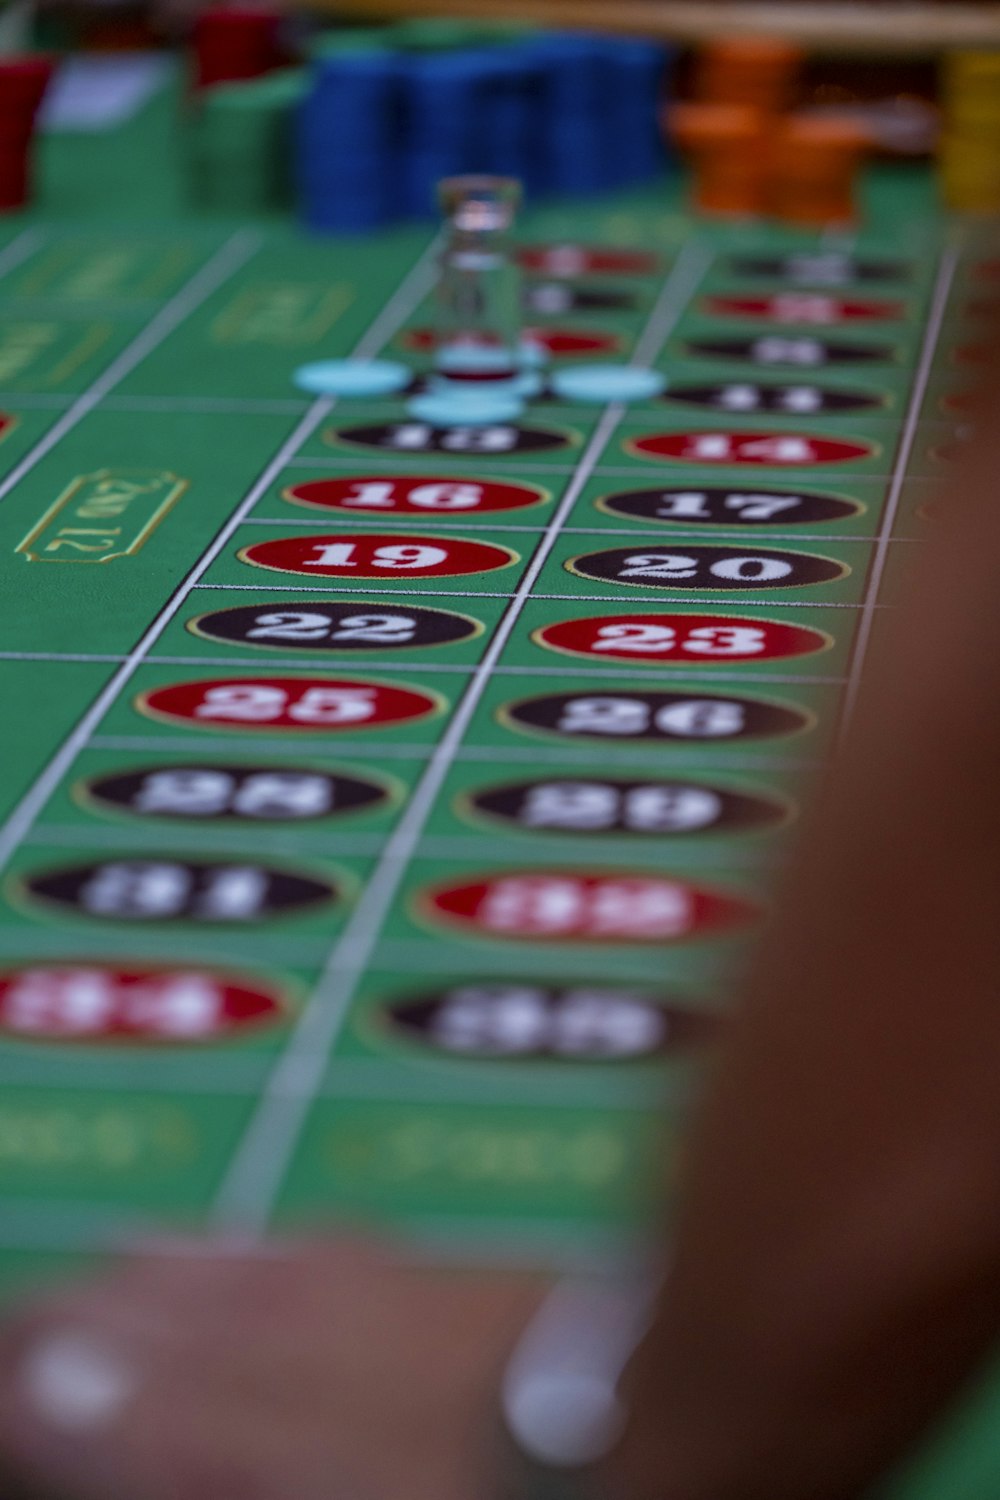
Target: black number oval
pixel 207 791
pixel 594 805
pixel 554 299
pixel 816 268
pixel 421 437
pixel 697 567
pixel 511 1020
pixel 335 625
pixel 680 717
pixel 793 351
pixel 749 397
pixel 179 890
pixel 722 506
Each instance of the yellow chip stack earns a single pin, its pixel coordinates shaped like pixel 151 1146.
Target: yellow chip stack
pixel 970 142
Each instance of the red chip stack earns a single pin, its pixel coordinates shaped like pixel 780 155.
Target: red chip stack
pixel 235 42
pixel 23 81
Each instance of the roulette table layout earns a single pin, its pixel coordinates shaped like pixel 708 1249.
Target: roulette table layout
pixel 388 808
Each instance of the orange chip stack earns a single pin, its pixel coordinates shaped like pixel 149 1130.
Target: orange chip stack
pixel 813 170
pixel 728 146
pixel 760 73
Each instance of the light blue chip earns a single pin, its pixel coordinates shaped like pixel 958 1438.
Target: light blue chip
pixel 528 384
pixel 442 409
pixel 353 377
pixel 532 355
pixel 483 359
pixel 524 385
pixel 602 384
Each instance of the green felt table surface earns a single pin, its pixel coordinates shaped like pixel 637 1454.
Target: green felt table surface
pixel 153 435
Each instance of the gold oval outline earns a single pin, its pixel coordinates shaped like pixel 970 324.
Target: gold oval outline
pixel 702 304
pixel 501 714
pixel 846 569
pixel 331 436
pixel 755 908
pixel 883 401
pixel 16 887
pixel 858 507
pixel 438 703
pixel 810 720
pixel 464 807
pixel 543 496
pixel 686 344
pixel 829 642
pixel 630 446
pixel 512 559
pixel 291 989
pixel 480 628
pixel 371 1030
pixel 393 793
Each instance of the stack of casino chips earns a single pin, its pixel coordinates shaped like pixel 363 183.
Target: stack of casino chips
pixel 346 166
pixel 23 81
pixel 235 42
pixel 440 96
pixel 813 170
pixel 239 144
pixel 727 145
pixel 635 71
pixel 761 73
pixel 391 112
pixel 576 153
pixel 752 153
pixel 970 141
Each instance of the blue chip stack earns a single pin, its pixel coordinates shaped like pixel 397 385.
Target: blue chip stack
pixel 564 112
pixel 511 120
pixel 636 73
pixel 574 91
pixel 441 98
pixel 347 148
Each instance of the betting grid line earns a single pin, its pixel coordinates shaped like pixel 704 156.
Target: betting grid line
pixel 932 333
pixel 20 248
pixel 687 471
pixel 470 669
pixel 407 296
pixel 617 754
pixel 696 596
pixel 637 534
pixel 442 1238
pixel 247 1193
pixel 310 843
pixel 424 1087
pixel 547 410
pixel 232 256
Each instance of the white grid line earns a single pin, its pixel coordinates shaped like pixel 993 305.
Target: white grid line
pixel 20 249
pixel 190 405
pixel 707 535
pixel 407 295
pixel 248 1190
pixel 820 476
pixel 709 848
pixel 341 755
pixel 442 1239
pixel 904 453
pixel 717 596
pixel 368 661
pixel 416 1080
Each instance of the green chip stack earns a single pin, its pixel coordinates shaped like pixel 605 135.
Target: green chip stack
pixel 349 41
pixel 239 144
pixel 451 34
pixel 970 141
